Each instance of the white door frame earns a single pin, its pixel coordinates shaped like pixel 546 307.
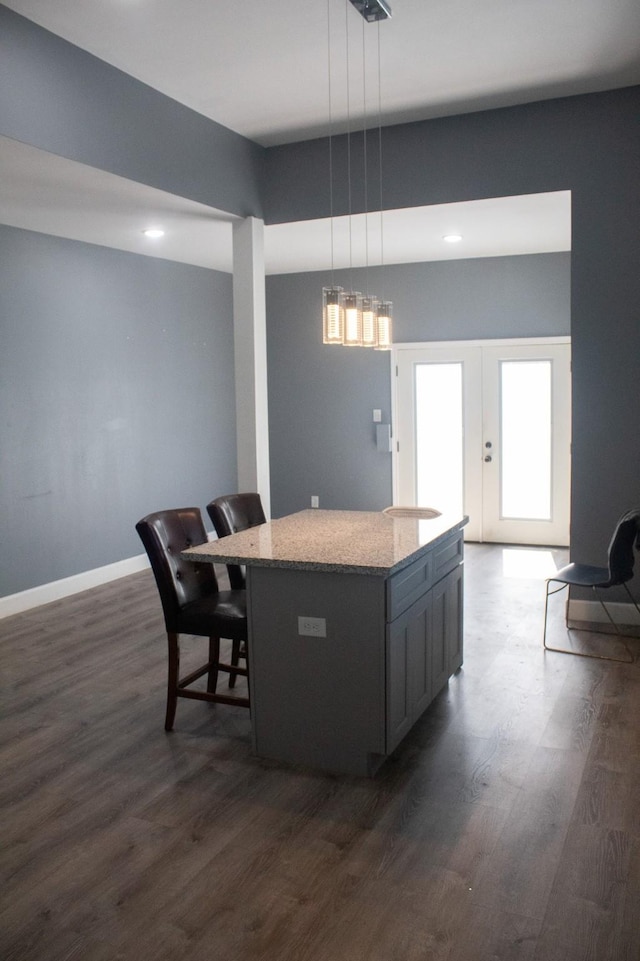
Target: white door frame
pixel 443 347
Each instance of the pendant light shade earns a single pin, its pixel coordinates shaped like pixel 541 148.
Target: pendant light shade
pixel 369 322
pixel 332 315
pixel 352 319
pixel 384 325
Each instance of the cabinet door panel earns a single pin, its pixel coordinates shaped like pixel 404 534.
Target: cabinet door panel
pixel 424 648
pixel 419 659
pixel 446 629
pixel 454 619
pixel 398 709
pixel 438 639
pixel 408 669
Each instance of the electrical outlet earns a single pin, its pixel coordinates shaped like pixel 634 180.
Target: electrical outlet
pixel 315 500
pixel 312 626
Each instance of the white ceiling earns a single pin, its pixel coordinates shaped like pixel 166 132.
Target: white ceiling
pixel 260 68
pixel 500 227
pixel 52 195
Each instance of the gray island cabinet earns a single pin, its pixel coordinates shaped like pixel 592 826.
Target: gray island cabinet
pixel 355 624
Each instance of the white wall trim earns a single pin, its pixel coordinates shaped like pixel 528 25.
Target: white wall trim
pixel 591 612
pixel 54 591
pixel 489 342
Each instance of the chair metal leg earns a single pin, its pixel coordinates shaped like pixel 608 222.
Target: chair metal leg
pixel 606 610
pixel 629 659
pixel 632 598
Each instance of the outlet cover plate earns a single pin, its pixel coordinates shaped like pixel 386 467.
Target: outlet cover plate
pixel 312 626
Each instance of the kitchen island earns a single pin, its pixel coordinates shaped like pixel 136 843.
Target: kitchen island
pixel 355 625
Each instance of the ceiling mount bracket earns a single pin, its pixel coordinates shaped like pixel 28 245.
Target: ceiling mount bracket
pixel 373 10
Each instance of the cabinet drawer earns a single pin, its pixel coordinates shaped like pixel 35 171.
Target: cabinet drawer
pixel 405 587
pixel 447 556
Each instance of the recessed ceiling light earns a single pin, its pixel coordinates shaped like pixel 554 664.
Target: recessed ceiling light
pixel 452 238
pixel 153 232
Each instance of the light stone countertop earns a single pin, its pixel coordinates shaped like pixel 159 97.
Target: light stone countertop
pixel 348 542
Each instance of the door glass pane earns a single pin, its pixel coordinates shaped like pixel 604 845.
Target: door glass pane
pixel 525 415
pixel 439 436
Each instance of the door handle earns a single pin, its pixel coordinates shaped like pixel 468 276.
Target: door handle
pixel 488 459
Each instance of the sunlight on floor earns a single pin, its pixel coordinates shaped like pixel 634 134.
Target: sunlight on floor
pixel 521 562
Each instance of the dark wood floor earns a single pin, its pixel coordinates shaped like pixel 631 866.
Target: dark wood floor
pixel 507 826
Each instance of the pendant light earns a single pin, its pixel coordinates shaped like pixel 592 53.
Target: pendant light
pixel 384 312
pixel 332 297
pixel 352 298
pixel 369 322
pixel 369 302
pixel 333 315
pixel 352 319
pixel 349 318
pixel 384 324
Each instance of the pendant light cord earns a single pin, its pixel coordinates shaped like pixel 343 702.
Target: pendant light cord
pixel 330 139
pixel 346 10
pixel 364 152
pixel 380 156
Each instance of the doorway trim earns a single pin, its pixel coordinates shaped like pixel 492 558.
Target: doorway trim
pixel 452 345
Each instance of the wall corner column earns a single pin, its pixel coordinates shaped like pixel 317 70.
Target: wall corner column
pixel 250 352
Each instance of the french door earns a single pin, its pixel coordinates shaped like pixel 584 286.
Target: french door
pixel 484 428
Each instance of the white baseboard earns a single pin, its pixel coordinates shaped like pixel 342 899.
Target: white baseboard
pixel 45 593
pixel 591 612
pixel 54 591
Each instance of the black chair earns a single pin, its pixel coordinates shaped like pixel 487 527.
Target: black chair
pixel 230 514
pixel 192 604
pixel 617 573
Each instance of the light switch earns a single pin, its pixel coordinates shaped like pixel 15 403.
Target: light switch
pixel 377 416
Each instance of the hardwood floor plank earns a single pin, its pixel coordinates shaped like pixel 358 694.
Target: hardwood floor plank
pixel 506 826
pixel 520 873
pixel 589 899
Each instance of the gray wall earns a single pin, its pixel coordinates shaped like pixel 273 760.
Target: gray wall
pixel 61 99
pixel 589 145
pixel 321 399
pixel 116 392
